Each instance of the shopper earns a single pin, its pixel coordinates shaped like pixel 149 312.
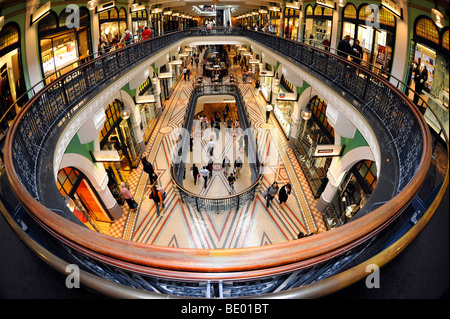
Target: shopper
pixel 270 193
pixel 205 173
pixel 237 165
pixel 357 52
pixel 132 204
pixel 148 168
pixel 157 198
pixel 147 33
pixel 195 172
pixel 231 180
pixel 269 108
pixel 211 146
pixel 344 48
pixel 284 193
pixel 226 164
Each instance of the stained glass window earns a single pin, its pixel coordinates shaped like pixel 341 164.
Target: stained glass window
pixel 123 13
pixel 8 36
pixel 328 12
pixel 319 109
pixel 309 10
pixel 350 11
pixel 445 40
pixel 428 30
pixel 112 115
pixel 318 10
pixel 365 12
pixel 387 17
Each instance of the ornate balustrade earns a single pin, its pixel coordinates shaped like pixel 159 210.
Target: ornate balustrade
pixel 315 257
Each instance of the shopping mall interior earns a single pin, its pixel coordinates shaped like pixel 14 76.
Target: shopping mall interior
pixel 224 149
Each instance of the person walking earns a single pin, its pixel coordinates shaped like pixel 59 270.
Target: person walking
pixel 195 172
pixel 128 197
pixel 226 164
pixel 284 193
pixel 205 173
pixel 237 165
pixel 231 180
pixel 357 52
pixel 211 146
pixel 269 108
pixel 148 168
pixel 270 193
pixel 157 198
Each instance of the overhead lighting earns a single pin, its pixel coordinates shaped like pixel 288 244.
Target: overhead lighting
pixel 157 10
pixel 263 11
pixel 276 80
pixel 306 113
pixel 437 17
pixel 274 8
pixel 392 6
pixel 125 113
pixel 91 5
pixel 2 22
pixel 41 12
pixel 175 14
pixel 154 79
pixel 167 12
pixel 326 3
pixel 342 3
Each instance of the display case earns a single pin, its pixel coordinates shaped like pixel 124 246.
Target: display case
pixel 58 53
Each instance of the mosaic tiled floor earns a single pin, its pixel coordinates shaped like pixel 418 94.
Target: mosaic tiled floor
pixel 252 225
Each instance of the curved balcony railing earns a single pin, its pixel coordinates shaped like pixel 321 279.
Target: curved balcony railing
pixel 216 203
pixel 211 271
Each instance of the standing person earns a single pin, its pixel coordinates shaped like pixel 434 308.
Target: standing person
pixel 284 193
pixel 270 193
pixel 148 168
pixel 126 38
pixel 195 172
pixel 128 197
pixel 188 72
pixel 185 73
pixel 269 108
pixel 357 52
pixel 237 165
pixel 163 194
pixel 344 48
pixel 420 78
pixel 231 180
pixel 205 173
pixel 102 46
pixel 146 34
pixel 229 124
pixel 157 198
pixel 226 164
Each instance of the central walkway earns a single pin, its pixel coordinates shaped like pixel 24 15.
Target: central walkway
pixel 252 225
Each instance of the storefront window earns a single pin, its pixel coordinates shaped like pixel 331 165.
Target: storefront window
pixel 59 52
pixel 317 25
pixel 377 38
pixel 112 25
pixel 82 199
pixel 284 106
pixel 140 21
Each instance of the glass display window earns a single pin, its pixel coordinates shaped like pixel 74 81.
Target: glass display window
pixel 59 52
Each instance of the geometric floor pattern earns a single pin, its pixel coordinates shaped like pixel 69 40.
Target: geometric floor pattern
pixel 252 225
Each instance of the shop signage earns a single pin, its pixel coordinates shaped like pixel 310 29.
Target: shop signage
pixel 381 56
pixel 266 73
pixel 141 99
pixel 105 6
pixel 41 12
pixel 105 156
pixel 329 150
pixel 393 7
pixel 283 96
pixel 326 3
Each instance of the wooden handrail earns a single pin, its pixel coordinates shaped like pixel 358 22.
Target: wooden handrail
pixel 221 263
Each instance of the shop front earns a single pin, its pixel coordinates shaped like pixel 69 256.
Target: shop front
pixel 429 55
pixel 119 135
pixel 375 32
pixel 83 200
pixel 113 23
pixel 139 22
pixel 291 23
pixel 313 132
pixel 61 48
pixel 147 108
pixel 12 84
pixel 284 106
pixel 265 82
pixel 317 25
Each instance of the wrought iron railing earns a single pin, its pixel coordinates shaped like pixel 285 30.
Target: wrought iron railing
pixel 320 255
pixel 216 203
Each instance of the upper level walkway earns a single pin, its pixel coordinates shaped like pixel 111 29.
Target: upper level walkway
pixel 252 225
